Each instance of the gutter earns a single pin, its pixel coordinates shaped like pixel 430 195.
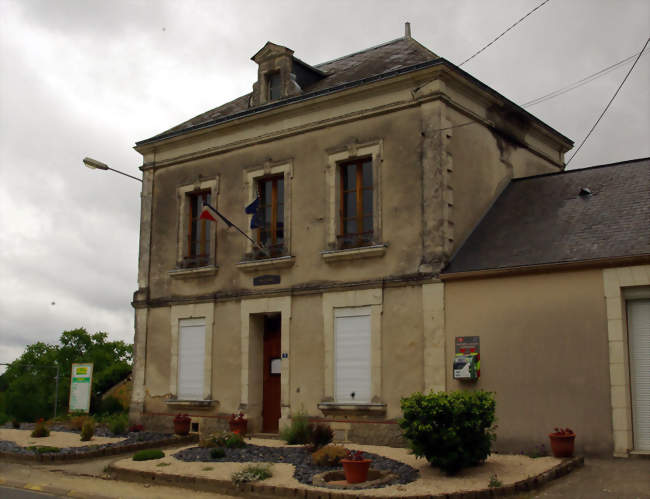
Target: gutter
pixel 548 267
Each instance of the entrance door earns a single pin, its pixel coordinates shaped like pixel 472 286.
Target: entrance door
pixel 638 325
pixel 271 376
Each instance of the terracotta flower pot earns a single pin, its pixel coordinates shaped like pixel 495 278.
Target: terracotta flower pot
pixel 356 471
pixel 181 427
pixel 562 445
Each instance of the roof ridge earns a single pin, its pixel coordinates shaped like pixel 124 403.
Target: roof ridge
pixel 374 47
pixel 628 162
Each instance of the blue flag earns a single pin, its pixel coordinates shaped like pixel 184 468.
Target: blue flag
pixel 252 209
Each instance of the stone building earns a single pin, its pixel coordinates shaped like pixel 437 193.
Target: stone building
pixel 369 171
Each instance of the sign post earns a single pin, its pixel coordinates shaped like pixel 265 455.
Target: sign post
pixel 80 384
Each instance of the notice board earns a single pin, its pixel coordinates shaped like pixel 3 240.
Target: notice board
pixel 81 381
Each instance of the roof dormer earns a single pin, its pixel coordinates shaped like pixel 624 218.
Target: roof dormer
pixel 280 74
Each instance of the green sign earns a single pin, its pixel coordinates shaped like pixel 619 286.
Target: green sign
pixel 81 381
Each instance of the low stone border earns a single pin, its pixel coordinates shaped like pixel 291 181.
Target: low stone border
pixel 375 477
pixel 263 491
pixel 51 457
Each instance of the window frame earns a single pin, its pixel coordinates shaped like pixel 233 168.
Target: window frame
pixel 251 175
pixel 183 269
pixel 335 158
pixel 276 249
pixel 194 257
pixel 359 214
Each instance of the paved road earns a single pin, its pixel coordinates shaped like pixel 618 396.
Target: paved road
pixel 9 493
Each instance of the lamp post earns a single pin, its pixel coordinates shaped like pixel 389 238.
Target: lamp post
pixel 93 164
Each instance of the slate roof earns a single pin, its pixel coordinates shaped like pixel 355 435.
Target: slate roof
pixel 544 220
pixel 386 58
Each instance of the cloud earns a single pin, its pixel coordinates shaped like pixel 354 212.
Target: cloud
pixel 82 78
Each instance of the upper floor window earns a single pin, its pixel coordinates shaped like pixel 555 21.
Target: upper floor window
pixel 356 203
pixel 270 214
pixel 274 85
pixel 197 253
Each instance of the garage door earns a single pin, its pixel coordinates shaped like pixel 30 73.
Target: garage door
pixel 638 325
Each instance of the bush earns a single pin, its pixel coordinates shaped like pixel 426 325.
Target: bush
pixel 329 455
pixel 117 424
pixel 320 435
pixel 452 430
pixel 87 430
pixel 40 430
pixel 226 439
pixel 111 405
pixel 217 453
pixel 147 454
pixel 77 421
pixel 252 473
pixel 298 432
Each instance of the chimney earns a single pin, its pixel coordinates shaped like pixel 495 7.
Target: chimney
pixel 407 30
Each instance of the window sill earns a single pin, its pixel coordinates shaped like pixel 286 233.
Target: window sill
pixel 196 404
pixel 354 253
pixel 193 272
pixel 352 408
pixel 268 263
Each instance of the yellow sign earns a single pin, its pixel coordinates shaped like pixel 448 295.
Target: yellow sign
pixel 82 370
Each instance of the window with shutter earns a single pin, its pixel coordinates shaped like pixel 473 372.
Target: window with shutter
pixel 191 348
pixel 352 355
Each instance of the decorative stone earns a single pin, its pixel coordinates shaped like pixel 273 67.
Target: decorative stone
pixel 336 480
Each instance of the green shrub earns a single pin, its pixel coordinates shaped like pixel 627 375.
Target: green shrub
pixel 217 453
pixel 77 420
pixel 320 435
pixel 118 423
pixel 494 481
pixel 452 430
pixel 3 418
pixel 298 432
pixel 43 449
pixel 87 430
pixel 147 454
pixel 111 405
pixel 252 473
pixel 330 455
pixel 40 430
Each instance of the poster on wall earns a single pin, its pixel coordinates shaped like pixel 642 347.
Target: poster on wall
pixel 80 383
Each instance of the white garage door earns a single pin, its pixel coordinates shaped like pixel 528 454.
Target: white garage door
pixel 638 324
pixel 352 354
pixel 191 351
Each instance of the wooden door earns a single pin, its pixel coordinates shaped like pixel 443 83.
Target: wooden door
pixel 271 384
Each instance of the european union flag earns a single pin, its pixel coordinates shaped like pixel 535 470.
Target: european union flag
pixel 252 209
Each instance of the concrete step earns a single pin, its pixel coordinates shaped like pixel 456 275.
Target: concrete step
pixel 273 436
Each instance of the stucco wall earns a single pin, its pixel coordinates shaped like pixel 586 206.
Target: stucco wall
pixel 544 353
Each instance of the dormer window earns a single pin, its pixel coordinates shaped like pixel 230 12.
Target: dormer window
pixel 274 86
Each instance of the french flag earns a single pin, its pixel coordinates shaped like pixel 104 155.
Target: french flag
pixel 210 213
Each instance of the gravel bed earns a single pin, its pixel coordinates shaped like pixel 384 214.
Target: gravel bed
pixel 129 438
pixel 299 457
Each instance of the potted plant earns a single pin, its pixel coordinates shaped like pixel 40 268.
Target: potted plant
pixel 562 442
pixel 182 424
pixel 355 466
pixel 238 423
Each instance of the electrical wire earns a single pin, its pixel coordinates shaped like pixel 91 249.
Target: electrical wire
pixel 512 26
pixel 609 103
pixel 579 83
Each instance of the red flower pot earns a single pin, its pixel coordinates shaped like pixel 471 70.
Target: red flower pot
pixel 181 427
pixel 356 471
pixel 562 445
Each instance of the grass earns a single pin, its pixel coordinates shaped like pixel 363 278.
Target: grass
pixel 494 481
pixel 43 449
pixel 160 465
pixel 207 468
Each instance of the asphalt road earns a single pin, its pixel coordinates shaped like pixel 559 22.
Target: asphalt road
pixel 9 493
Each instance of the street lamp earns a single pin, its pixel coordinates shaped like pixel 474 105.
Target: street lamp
pixel 93 164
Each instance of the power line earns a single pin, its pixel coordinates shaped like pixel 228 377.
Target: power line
pixel 609 103
pixel 515 24
pixel 579 83
pixel 563 90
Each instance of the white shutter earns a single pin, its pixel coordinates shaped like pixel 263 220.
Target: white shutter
pixel 638 323
pixel 191 351
pixel 352 354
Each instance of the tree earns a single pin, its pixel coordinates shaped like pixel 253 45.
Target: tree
pixel 30 383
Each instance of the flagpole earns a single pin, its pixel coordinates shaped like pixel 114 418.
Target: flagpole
pixel 230 224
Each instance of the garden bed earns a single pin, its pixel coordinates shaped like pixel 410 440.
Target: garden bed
pixel 19 445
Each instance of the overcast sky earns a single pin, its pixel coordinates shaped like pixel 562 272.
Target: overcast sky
pixel 90 78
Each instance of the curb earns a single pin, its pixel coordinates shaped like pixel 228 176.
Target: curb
pixel 264 491
pixel 106 451
pixel 48 489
